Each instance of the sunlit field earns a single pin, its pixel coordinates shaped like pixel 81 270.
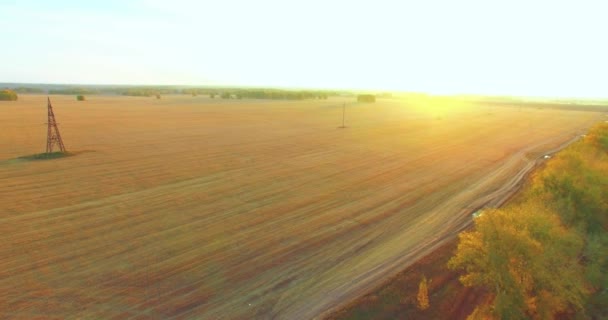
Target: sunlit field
pixel 197 208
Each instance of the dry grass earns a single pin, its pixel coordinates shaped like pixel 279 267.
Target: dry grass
pixel 188 207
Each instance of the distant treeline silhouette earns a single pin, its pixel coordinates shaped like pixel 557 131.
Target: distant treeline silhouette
pixel 76 91
pixel 153 91
pixel 273 94
pixel 29 90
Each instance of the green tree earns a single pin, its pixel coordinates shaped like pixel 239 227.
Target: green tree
pixel 8 95
pixel 575 184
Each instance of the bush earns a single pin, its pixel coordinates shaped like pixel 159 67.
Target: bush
pixel 366 98
pixel 423 295
pixel 80 98
pixel 8 95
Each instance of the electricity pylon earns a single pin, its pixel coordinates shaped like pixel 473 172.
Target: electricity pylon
pixel 53 137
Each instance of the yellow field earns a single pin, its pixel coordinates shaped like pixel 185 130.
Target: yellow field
pixel 192 208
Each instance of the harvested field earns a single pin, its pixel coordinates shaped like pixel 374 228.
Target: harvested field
pixel 193 208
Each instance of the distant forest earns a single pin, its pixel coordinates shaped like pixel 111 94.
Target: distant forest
pixel 28 90
pixel 293 94
pixel 153 91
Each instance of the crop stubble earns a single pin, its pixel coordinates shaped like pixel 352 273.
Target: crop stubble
pixel 188 207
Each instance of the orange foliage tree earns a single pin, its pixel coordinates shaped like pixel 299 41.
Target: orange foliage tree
pixel 526 258
pixel 546 254
pixel 423 294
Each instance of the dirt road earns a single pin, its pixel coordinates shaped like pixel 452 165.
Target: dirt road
pixel 190 208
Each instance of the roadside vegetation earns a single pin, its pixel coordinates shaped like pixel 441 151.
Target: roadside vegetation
pixel 546 254
pixel 423 295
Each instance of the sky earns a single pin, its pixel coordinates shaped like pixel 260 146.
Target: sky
pixel 533 47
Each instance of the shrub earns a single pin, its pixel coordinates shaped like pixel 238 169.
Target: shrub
pixel 8 95
pixel 366 98
pixel 423 294
pixel 80 98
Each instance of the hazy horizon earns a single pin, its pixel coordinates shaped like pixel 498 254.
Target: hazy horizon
pixel 515 48
pixel 346 90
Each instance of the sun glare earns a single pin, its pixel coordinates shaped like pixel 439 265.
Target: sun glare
pixel 540 48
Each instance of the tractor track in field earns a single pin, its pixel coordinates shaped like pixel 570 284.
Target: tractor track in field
pixel 493 199
pixel 196 210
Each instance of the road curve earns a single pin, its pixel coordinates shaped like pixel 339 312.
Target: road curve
pixel 491 191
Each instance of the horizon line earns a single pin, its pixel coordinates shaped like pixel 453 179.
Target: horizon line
pixel 237 86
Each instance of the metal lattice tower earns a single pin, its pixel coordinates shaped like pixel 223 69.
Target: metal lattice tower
pixel 53 137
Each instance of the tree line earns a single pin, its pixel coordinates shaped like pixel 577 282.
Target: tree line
pixel 73 91
pixel 272 94
pixel 28 90
pixel 224 93
pixel 546 255
pixel 213 92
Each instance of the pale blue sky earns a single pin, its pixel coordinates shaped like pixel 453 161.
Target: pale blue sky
pixel 533 47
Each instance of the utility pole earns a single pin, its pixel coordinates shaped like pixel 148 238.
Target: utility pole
pixel 343 113
pixel 52 137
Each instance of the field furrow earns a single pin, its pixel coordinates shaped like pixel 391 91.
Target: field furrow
pixel 192 208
